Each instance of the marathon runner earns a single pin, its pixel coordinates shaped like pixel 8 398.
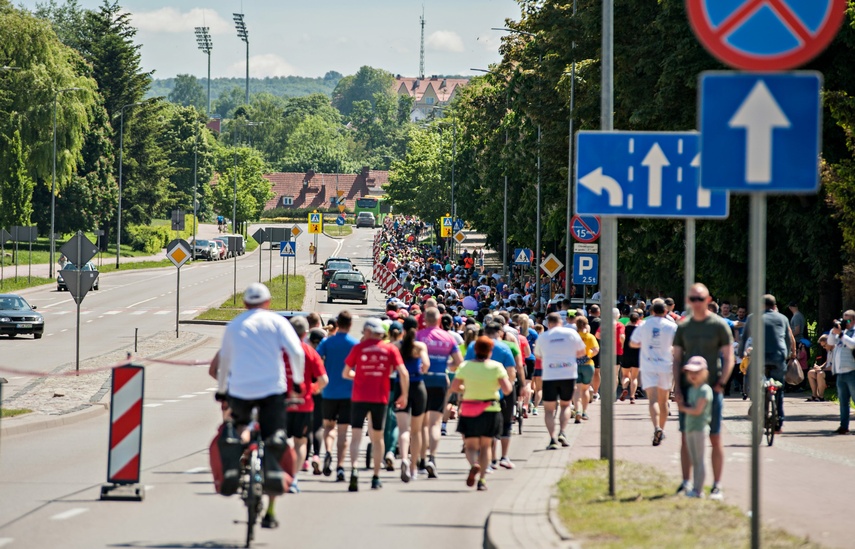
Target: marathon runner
pixel 411 418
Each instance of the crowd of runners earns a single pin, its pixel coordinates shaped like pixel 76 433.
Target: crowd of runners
pixel 459 342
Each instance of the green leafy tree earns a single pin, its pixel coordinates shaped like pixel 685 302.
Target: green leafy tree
pixel 16 186
pixel 188 92
pixel 365 85
pixel 245 167
pixel 188 142
pixel 228 102
pixel 316 144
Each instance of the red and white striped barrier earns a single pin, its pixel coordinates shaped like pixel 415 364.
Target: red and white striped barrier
pixel 123 464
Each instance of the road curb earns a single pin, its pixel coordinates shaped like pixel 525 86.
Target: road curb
pixel 204 322
pixel 526 513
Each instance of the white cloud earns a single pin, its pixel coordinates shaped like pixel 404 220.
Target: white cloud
pixel 171 20
pixel 266 64
pixel 448 41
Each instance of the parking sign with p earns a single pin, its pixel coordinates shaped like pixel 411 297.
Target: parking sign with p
pixel 586 268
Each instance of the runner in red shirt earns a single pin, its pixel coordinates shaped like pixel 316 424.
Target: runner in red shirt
pixel 369 365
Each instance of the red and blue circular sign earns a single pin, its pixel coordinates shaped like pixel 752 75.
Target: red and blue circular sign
pixel 765 34
pixel 585 228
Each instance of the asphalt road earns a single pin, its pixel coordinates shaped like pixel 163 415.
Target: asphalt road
pixel 50 480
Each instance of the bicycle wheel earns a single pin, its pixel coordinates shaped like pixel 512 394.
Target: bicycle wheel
pixel 771 418
pixel 253 496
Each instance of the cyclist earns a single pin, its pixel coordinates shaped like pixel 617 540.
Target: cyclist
pixel 370 365
pixel 441 347
pixel 251 373
pixel 336 407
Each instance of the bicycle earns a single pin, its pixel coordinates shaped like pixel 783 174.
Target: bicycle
pixel 252 475
pixel 770 409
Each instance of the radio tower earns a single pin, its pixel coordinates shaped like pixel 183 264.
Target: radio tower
pixel 422 53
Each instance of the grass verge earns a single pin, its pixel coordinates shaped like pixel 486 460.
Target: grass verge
pixel 234 305
pixel 133 265
pixel 646 514
pixel 12 412
pixel 338 231
pixel 11 284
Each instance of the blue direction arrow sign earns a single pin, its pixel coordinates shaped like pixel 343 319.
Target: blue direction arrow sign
pixel 643 174
pixel 586 269
pixel 761 132
pixel 287 248
pixel 522 256
pixel 339 220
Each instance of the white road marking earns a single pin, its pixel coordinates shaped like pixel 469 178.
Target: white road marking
pixel 61 313
pixel 189 312
pixel 139 312
pixel 140 302
pixel 153 405
pixel 65 515
pixel 197 470
pixel 85 313
pixel 150 487
pixel 212 389
pixel 63 330
pixel 163 312
pixel 187 396
pixel 113 312
pixel 170 401
pixel 88 321
pixel 5 541
pixel 201 393
pixel 57 303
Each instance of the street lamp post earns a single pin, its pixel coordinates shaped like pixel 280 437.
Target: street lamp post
pixel 537 251
pixel 121 160
pixel 204 42
pixel 243 34
pixel 53 182
pixel 570 145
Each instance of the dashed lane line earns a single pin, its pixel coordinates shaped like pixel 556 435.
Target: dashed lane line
pixel 71 513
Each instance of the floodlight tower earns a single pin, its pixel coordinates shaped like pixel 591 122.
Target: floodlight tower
pixel 203 40
pixel 243 34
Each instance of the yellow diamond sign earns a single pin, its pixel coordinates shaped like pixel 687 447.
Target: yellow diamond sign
pixel 551 266
pixel 459 237
pixel 178 251
pixel 296 231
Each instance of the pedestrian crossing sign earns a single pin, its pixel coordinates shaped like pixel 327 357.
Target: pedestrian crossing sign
pixel 316 223
pixel 287 248
pixel 447 227
pixel 522 256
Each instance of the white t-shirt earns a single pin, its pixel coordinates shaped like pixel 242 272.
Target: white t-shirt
pixel 252 366
pixel 557 348
pixel 656 336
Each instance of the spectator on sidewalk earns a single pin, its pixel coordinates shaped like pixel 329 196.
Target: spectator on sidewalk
pixel 842 338
pixel 798 324
pixel 706 335
pixel 816 375
pixel 698 411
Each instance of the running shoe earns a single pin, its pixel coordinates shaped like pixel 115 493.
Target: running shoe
pixel 534 412
pixel 491 468
pixel 305 466
pixel 316 465
pixel 553 445
pixel 623 395
pixel 444 429
pixel 596 397
pixel 430 468
pixel 295 488
pixel 657 437
pixel 327 464
pixel 632 401
pixel 578 419
pixel 354 481
pixel 375 483
pixel 525 413
pixel 390 461
pixel 585 416
pixel 405 470
pixel 269 521
pixel 562 438
pixel 339 474
pixel 482 486
pixel 473 472
pixel 694 494
pixel 684 487
pixel 716 494
pixel 506 463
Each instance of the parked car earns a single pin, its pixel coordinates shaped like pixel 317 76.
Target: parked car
pixel 348 285
pixel 365 219
pixel 206 249
pixel 331 266
pixel 222 249
pixel 19 317
pixel 62 286
pixel 238 244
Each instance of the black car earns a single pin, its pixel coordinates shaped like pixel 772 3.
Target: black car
pixel 348 285
pixel 61 285
pixel 19 317
pixel 330 268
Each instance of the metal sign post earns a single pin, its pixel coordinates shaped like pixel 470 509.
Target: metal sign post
pixel 178 251
pixel 756 289
pixel 689 266
pixel 260 236
pixel 287 280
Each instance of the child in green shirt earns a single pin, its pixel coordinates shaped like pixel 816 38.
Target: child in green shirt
pixel 698 410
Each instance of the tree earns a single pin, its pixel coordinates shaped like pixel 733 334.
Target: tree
pixel 229 102
pixel 362 86
pixel 189 141
pixel 316 144
pixel 16 186
pixel 245 166
pixel 188 92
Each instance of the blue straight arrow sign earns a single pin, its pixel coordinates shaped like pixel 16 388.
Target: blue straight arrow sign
pixel 643 174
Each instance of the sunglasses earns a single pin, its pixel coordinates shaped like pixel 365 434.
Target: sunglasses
pixel 696 298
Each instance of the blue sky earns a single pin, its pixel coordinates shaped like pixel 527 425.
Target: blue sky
pixel 309 38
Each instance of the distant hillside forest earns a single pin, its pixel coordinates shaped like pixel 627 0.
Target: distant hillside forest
pixel 282 86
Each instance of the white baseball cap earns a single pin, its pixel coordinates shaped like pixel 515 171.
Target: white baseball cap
pixel 256 294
